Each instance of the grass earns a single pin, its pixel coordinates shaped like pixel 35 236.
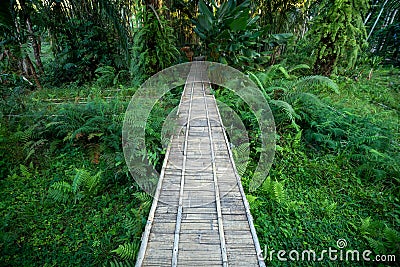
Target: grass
pixel 378 97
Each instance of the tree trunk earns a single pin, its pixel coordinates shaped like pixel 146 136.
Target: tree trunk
pixel 30 70
pixel 324 63
pixel 35 45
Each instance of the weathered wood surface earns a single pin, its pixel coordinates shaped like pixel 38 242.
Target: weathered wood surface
pixel 200 216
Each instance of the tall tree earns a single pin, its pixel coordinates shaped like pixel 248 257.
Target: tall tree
pixel 338 33
pixel 18 36
pixel 154 42
pixel 282 15
pixel 181 14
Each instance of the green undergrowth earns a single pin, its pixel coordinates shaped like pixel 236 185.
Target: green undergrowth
pixel 336 171
pixel 68 198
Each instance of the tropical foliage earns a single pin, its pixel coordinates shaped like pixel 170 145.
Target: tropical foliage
pixel 328 69
pixel 338 33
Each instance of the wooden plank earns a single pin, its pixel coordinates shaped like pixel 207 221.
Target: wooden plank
pixel 154 246
pixel 187 239
pixel 196 210
pixel 199 216
pixel 163 227
pixel 196 263
pixel 199 225
pixel 202 218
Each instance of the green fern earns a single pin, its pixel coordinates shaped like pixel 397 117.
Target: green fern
pixel 133 226
pixel 284 72
pixel 83 183
pixel 365 225
pixel 267 185
pixel 259 84
pixel 105 76
pixel 377 246
pixel 127 251
pixel 30 147
pixel 24 171
pixel 274 72
pixel 252 200
pixel 279 193
pixel 392 240
pixel 316 81
pixel 30 139
pixel 286 109
pixel 142 196
pixel 145 200
pixel 93 182
pixel 79 180
pixel 307 106
pixel 274 189
pixel 299 67
pixel 380 237
pixel 116 263
pixel 60 191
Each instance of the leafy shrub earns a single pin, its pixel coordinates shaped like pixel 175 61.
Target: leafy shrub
pixel 154 45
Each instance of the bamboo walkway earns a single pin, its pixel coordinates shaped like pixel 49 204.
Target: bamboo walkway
pixel 200 215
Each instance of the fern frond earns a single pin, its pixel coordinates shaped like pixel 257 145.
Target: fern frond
pixel 80 180
pixel 252 201
pixel 299 67
pixel 24 171
pixel 288 110
pixel 142 196
pixel 145 200
pixel 316 80
pixel 240 156
pixel 116 263
pixel 60 191
pixel 274 72
pixel 257 81
pixel 377 246
pixel 284 72
pixel 133 226
pixel 119 117
pixel 279 192
pixel 31 146
pixel 127 251
pixel 267 185
pixel 93 182
pixel 393 239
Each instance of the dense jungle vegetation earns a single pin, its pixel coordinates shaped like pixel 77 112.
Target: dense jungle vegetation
pixel 329 69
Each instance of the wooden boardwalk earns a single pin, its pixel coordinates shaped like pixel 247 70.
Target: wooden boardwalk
pixel 200 215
